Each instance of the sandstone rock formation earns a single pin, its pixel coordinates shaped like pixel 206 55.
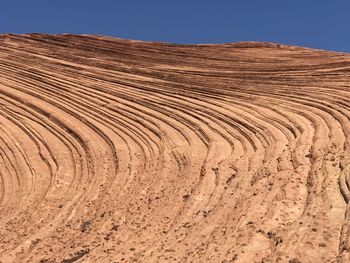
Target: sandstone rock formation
pixel 125 151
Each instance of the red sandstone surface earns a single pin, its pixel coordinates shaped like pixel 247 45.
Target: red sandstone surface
pixel 114 150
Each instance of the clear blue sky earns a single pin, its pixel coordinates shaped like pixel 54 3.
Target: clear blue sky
pixel 313 23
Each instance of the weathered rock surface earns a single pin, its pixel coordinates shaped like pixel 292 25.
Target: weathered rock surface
pixel 125 151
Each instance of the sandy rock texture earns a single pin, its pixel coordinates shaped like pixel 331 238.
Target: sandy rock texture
pixel 114 150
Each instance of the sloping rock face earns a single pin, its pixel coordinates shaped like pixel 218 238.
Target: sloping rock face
pixel 125 151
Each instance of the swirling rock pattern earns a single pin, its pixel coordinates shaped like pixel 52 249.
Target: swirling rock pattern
pixel 125 151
